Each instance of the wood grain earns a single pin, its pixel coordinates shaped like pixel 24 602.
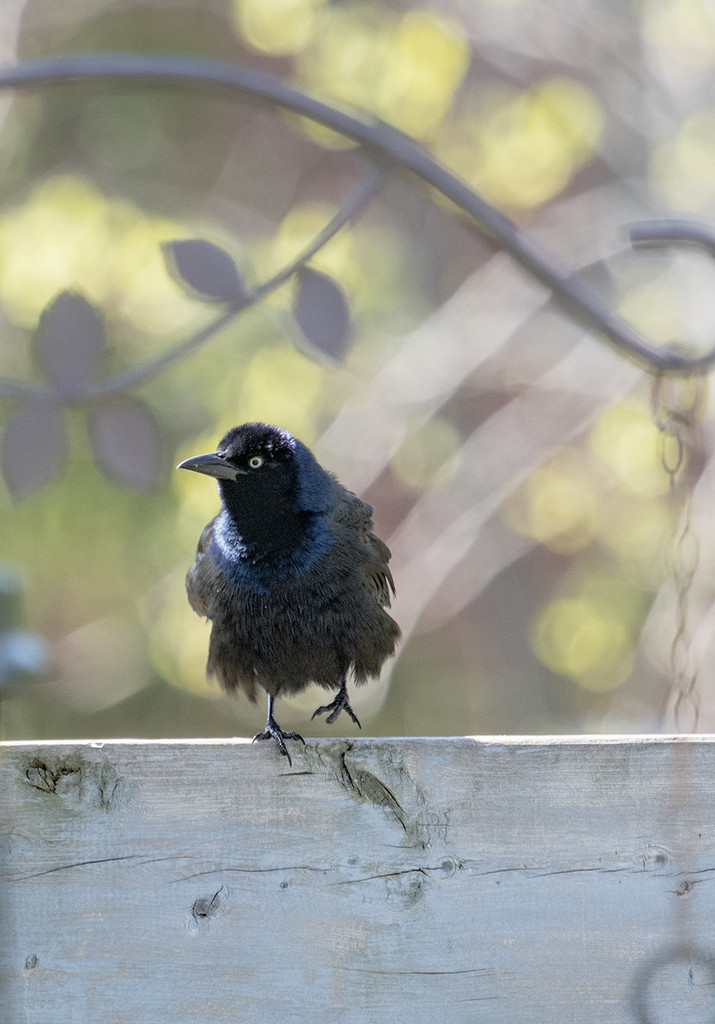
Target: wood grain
pixel 421 880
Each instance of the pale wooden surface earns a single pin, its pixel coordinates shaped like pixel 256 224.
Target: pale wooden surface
pixel 427 880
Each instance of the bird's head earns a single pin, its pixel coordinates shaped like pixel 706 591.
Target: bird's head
pixel 264 466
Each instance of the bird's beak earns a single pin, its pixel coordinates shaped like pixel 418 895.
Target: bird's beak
pixel 212 464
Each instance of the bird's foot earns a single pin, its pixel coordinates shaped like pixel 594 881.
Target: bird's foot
pixel 340 703
pixel 273 731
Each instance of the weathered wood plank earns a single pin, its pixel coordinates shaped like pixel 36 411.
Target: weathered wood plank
pixel 502 880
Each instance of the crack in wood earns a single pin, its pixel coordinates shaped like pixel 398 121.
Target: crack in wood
pixel 420 973
pixel 76 864
pixel 386 874
pixel 368 787
pixel 250 871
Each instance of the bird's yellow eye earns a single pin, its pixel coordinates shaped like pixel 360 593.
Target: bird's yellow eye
pixel 256 461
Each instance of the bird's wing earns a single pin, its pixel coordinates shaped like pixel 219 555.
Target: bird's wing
pixel 195 592
pixel 356 514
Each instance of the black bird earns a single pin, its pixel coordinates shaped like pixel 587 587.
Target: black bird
pixel 291 575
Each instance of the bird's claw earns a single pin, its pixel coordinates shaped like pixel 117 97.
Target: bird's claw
pixel 273 731
pixel 340 703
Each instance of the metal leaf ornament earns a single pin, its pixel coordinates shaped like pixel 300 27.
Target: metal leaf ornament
pixel 34 447
pixel 322 313
pixel 205 268
pixel 70 343
pixel 124 435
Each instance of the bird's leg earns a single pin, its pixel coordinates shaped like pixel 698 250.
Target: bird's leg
pixel 274 731
pixel 341 703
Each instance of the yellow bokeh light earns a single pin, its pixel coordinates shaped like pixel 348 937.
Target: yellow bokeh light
pixel 524 147
pixel 627 442
pixel 559 504
pixel 67 235
pixel 428 60
pixel 276 26
pixel 347 55
pixel 585 640
pixel 684 166
pixel 406 70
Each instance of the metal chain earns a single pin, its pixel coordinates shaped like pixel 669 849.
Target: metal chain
pixel 677 410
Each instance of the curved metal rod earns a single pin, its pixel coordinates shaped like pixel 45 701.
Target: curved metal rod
pixel 384 144
pixel 657 232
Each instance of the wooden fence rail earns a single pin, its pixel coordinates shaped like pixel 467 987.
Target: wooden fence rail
pixel 519 879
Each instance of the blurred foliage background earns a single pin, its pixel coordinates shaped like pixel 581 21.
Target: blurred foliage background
pixel 513 460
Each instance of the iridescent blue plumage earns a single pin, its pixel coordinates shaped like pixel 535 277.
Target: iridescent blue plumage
pixel 249 568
